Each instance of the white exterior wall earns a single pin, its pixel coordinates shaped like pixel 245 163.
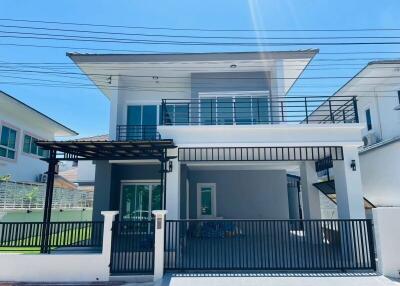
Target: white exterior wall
pixel 387 237
pixel 60 267
pixel 380 172
pixel 25 167
pixel 385 120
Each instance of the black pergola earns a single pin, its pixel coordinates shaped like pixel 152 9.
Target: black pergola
pixel 94 151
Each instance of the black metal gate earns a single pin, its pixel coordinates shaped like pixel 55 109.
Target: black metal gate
pixel 269 245
pixel 132 247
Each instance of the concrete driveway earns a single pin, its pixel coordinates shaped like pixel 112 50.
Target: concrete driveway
pixel 277 279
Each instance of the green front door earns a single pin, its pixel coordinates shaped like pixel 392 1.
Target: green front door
pixel 139 199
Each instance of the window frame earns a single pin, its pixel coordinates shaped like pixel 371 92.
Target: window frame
pixel 368 118
pixel 32 136
pixel 15 149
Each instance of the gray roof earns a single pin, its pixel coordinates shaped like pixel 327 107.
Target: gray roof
pixel 167 57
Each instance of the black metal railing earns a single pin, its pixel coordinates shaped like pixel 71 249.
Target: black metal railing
pixel 132 248
pixel 269 244
pixel 242 110
pixel 137 132
pixel 29 236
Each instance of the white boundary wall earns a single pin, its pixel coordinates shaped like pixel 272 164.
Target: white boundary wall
pixel 60 267
pixel 387 238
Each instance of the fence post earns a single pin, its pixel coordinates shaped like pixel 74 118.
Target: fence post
pixel 159 234
pixel 109 217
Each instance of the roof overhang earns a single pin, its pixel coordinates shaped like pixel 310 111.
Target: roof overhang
pixel 28 114
pixel 109 150
pixel 170 68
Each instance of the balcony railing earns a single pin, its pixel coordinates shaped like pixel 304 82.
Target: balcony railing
pixel 137 132
pixel 241 110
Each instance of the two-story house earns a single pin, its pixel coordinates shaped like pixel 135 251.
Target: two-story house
pixel 215 136
pixel 235 132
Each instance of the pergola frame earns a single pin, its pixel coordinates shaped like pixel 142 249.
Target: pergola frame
pixel 96 151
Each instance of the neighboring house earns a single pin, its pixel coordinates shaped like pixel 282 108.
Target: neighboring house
pixel 215 136
pixel 21 126
pixel 82 173
pixel 377 88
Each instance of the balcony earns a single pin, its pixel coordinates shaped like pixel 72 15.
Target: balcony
pixel 137 133
pixel 241 110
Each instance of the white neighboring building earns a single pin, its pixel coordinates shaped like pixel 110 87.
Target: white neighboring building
pixel 20 127
pixel 377 87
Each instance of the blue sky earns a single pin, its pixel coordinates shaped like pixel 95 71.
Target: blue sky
pixel 86 110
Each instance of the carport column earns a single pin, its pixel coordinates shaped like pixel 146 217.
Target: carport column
pixel 310 194
pixel 159 244
pixel 109 217
pixel 172 187
pixel 348 185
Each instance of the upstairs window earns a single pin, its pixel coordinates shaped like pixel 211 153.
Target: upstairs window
pixel 368 118
pixel 30 147
pixel 398 96
pixel 8 142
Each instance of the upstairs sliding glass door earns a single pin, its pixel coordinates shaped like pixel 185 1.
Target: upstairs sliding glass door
pixel 142 122
pixel 229 110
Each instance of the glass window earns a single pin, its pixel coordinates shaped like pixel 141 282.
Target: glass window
pixel 260 109
pixel 206 201
pixel 225 111
pixel 8 141
pixel 181 114
pixel 27 143
pixel 30 147
pixel 243 111
pixel 208 111
pixel 368 119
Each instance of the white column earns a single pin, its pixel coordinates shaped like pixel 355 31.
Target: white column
pixel 349 195
pixel 310 194
pixel 109 217
pixel 159 244
pixel 387 237
pixel 113 115
pixel 172 190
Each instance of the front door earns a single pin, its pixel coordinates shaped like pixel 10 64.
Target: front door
pixel 206 200
pixel 138 199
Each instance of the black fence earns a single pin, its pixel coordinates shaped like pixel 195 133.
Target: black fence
pixel 31 236
pixel 245 110
pixel 269 244
pixel 132 248
pixel 137 132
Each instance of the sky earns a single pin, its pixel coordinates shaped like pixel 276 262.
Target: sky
pixel 86 110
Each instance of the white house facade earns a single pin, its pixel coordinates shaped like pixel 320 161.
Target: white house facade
pixel 221 101
pixel 21 126
pixel 212 166
pixel 377 87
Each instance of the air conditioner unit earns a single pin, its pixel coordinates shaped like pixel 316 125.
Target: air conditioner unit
pixel 370 139
pixel 42 178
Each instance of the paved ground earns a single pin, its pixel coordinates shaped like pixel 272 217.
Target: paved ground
pixel 249 279
pixel 277 279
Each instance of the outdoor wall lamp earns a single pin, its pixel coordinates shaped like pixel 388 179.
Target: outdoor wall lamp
pixel 353 165
pixel 170 166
